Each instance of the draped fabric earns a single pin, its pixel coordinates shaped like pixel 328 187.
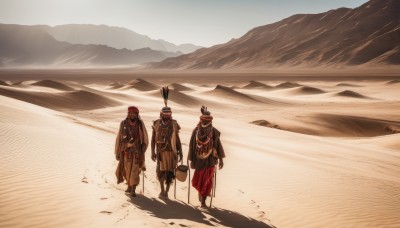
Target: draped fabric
pixel 212 160
pixel 203 180
pixel 131 160
pixel 166 142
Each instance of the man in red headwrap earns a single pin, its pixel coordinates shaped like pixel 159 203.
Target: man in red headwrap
pixel 205 151
pixel 165 139
pixel 130 146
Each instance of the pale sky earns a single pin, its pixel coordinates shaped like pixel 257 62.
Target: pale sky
pixel 202 22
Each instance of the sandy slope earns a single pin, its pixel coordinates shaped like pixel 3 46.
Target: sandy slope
pixel 44 159
pixel 53 84
pixel 294 177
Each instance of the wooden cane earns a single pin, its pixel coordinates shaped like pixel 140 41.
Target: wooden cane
pixel 215 182
pixel 213 193
pixel 175 184
pixel 189 183
pixel 143 182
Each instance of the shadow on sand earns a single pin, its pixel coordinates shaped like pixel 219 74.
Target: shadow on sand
pixel 171 209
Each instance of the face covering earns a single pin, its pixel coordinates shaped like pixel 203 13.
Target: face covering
pixel 205 123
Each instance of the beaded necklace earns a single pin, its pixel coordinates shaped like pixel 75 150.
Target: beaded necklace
pixel 165 127
pixel 204 144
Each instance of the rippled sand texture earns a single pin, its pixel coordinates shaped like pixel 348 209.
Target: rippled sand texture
pixel 300 153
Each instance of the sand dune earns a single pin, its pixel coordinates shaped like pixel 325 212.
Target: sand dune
pixel 257 85
pixel 393 82
pixel 338 126
pixel 44 158
pixel 142 85
pixel 116 85
pixel 77 100
pixel 54 85
pixel 88 100
pixel 237 97
pixel 228 93
pixel 235 87
pixel 178 87
pixel 387 141
pixel 345 125
pixel 304 168
pixel 286 85
pixel 19 83
pixel 306 90
pixel 3 83
pixel 265 123
pixel 349 93
pixel 348 85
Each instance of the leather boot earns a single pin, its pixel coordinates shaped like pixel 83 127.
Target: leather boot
pixel 129 189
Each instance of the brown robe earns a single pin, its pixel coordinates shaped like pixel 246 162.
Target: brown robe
pixel 167 158
pixel 131 160
pixel 212 160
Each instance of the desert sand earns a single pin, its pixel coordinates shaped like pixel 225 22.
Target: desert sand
pixel 307 151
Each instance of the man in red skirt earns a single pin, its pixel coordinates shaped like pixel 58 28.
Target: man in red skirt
pixel 205 152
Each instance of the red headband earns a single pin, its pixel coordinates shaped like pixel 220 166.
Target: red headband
pixel 133 109
pixel 206 117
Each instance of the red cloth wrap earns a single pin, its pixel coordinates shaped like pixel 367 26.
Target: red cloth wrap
pixel 203 180
pixel 133 109
pixel 206 118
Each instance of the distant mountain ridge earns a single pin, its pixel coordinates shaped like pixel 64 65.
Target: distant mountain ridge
pixel 33 46
pixel 366 35
pixel 112 36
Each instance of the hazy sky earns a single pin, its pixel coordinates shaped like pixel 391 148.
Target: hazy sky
pixel 202 22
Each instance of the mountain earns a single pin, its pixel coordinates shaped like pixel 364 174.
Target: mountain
pixel 183 48
pixel 367 35
pixel 115 37
pixel 33 46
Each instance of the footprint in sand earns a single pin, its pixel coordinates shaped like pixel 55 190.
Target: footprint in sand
pixel 85 180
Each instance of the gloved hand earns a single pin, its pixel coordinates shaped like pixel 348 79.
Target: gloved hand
pixel 143 168
pixel 191 165
pixel 221 163
pixel 153 156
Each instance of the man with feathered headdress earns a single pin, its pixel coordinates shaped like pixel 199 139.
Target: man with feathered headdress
pixel 166 145
pixel 205 152
pixel 130 146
